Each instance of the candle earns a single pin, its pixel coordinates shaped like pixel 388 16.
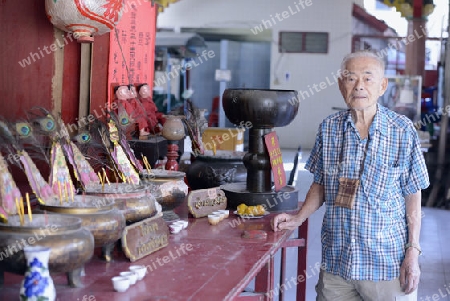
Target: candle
pixel 30 216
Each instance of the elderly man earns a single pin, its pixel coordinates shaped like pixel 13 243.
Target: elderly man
pixel 369 171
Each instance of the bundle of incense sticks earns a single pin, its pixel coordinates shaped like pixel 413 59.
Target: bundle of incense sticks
pixel 147 165
pixel 105 177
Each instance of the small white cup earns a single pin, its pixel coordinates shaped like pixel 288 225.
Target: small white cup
pixel 219 213
pixel 214 219
pixel 225 212
pixel 183 223
pixel 175 228
pixel 120 283
pixel 140 270
pixel 132 276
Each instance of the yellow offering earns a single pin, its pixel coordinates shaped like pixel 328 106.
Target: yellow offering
pixel 257 210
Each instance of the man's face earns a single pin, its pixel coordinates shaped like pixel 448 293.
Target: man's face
pixel 362 83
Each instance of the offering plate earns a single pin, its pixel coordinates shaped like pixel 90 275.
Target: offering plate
pixel 98 214
pixel 71 244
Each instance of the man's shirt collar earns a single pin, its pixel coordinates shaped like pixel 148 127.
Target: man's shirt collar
pixel 379 122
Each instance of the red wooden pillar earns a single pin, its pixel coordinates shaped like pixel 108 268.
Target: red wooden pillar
pixel 416 38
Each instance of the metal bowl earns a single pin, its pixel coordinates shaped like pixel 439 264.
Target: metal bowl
pixel 208 171
pixel 263 108
pixel 169 189
pixel 98 214
pixel 71 244
pixel 116 189
pixel 136 209
pixel 167 186
pixel 134 201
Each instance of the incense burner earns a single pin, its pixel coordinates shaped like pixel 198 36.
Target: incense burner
pixel 71 244
pixel 168 187
pixel 98 215
pixel 209 170
pixel 264 109
pixel 134 201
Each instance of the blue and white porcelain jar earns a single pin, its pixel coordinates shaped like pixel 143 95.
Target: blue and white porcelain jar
pixel 37 284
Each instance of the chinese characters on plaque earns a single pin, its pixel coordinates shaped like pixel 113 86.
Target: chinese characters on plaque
pixel 276 161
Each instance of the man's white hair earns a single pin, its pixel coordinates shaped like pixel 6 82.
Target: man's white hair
pixel 363 53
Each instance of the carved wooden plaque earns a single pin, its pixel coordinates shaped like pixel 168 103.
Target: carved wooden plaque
pixel 145 237
pixel 202 202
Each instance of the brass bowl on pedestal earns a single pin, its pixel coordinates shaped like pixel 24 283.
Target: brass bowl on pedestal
pixel 262 110
pixel 98 215
pixel 71 244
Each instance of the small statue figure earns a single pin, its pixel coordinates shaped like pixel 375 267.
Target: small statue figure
pixel 155 119
pixel 126 109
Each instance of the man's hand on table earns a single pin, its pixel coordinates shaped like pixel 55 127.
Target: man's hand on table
pixel 285 221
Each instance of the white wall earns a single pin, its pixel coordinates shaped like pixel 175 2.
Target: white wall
pixel 305 70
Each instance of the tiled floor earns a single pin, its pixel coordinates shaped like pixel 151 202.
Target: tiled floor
pixel 435 242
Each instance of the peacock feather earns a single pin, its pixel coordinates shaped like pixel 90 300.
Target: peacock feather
pixel 122 140
pixel 83 171
pixel 19 156
pixel 94 143
pixel 23 129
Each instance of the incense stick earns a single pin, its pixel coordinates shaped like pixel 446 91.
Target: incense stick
pixel 22 220
pixel 30 216
pixel 19 211
pixel 60 194
pixel 106 176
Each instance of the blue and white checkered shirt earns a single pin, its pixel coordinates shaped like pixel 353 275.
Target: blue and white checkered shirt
pixel 367 242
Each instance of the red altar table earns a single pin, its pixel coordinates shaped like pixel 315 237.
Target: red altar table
pixel 201 263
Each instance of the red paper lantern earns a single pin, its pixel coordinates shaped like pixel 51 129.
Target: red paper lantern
pixel 84 18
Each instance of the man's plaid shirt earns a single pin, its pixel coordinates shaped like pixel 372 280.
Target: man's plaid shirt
pixel 367 242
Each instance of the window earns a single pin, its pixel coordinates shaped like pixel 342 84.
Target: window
pixel 381 6
pixel 303 42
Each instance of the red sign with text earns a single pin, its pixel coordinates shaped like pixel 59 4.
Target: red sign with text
pixel 276 161
pixel 132 45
